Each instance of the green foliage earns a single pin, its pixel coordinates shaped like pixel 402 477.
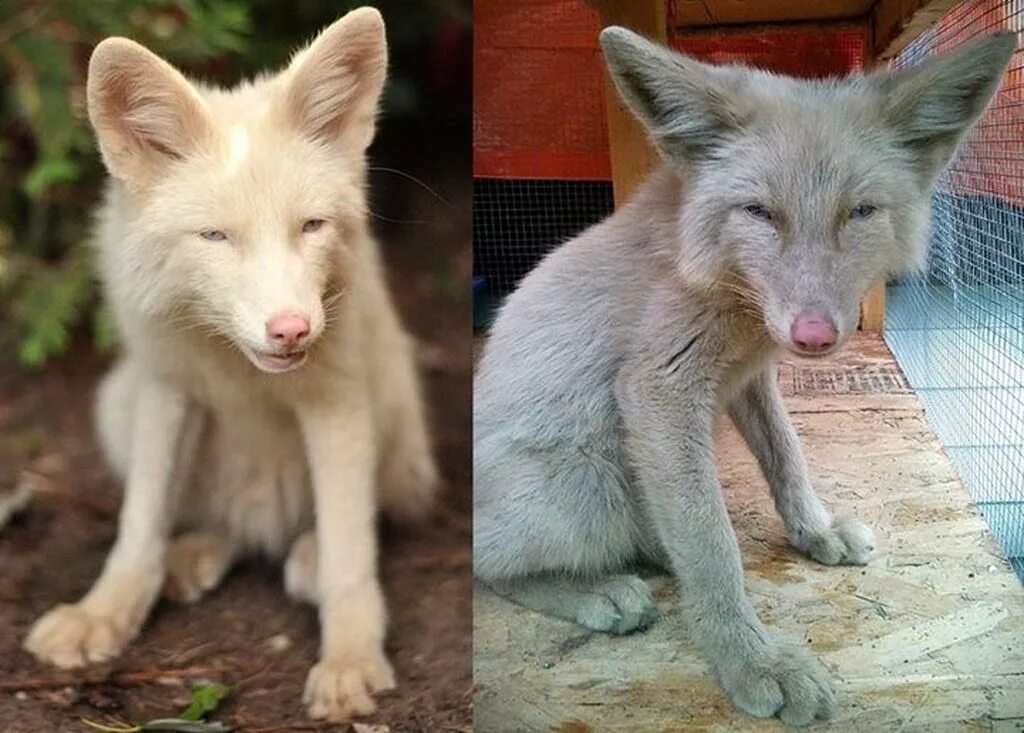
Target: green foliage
pixel 50 173
pixel 205 700
pixel 49 303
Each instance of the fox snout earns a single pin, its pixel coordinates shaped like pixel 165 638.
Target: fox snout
pixel 813 333
pixel 288 335
pixel 288 329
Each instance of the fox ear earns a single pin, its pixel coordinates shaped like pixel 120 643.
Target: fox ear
pixel 933 106
pixel 144 111
pixel 688 107
pixel 337 81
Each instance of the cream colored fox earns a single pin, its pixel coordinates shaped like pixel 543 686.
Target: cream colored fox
pixel 266 399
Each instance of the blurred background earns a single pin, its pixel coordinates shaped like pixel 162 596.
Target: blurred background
pixel 56 342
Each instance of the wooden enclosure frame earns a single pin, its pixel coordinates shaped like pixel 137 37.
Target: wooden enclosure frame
pixel 889 26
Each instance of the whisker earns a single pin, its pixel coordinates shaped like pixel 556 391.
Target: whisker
pixel 388 219
pixel 414 179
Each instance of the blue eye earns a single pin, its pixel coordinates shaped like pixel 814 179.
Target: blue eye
pixel 758 212
pixel 862 211
pixel 312 225
pixel 213 235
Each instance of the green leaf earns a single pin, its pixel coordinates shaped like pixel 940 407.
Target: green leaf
pixel 49 173
pixel 205 699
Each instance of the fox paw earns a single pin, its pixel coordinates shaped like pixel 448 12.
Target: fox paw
pixel 783 681
pixel 196 563
pixel 620 605
pixel 69 636
pixel 846 542
pixel 338 692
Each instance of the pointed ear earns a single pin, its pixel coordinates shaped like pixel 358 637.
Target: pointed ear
pixel 933 106
pixel 144 111
pixel 334 85
pixel 689 108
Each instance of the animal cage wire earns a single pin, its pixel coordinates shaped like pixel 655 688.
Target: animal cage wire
pixel 957 330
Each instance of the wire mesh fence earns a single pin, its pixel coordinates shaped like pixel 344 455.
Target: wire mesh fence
pixel 516 222
pixel 957 330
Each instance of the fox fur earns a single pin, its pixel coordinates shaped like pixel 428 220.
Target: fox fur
pixel 225 208
pixel 600 384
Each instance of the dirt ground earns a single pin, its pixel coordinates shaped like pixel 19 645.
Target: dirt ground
pixel 247 633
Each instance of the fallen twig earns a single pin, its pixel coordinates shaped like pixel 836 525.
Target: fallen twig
pixel 301 725
pixel 46 486
pixel 120 679
pixel 15 502
pixel 447 561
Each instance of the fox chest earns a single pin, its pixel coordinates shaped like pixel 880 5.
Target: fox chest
pixel 735 372
pixel 250 476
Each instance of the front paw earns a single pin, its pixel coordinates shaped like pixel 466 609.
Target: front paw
pixel 621 604
pixel 70 636
pixel 339 691
pixel 779 680
pixel 846 542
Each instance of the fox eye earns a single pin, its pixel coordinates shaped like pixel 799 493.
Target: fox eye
pixel 862 211
pixel 312 225
pixel 758 212
pixel 213 235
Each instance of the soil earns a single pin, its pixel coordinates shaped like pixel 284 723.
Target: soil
pixel 247 633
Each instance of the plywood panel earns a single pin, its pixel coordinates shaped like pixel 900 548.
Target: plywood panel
pixel 926 637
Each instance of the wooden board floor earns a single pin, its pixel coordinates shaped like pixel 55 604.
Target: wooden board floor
pixel 928 637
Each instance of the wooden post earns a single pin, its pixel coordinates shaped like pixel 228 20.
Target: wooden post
pixel 872 308
pixel 632 156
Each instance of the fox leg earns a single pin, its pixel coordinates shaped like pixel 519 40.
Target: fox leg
pixel 352 666
pixel 99 626
pixel 761 418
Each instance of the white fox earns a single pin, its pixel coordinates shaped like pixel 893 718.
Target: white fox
pixel 266 399
pixel 780 202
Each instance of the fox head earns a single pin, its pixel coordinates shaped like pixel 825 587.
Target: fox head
pixel 238 210
pixel 805 193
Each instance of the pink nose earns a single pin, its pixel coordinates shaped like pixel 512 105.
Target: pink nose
pixel 288 329
pixel 813 333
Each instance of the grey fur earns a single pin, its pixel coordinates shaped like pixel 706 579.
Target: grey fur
pixel 605 372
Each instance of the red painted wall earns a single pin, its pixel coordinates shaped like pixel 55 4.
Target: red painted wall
pixel 538 81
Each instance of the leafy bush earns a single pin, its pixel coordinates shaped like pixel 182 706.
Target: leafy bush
pixel 50 171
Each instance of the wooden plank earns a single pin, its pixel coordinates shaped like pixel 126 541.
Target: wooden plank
pixel 632 155
pixel 895 23
pixel 738 12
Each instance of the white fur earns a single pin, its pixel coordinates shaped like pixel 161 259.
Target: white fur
pixel 236 459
